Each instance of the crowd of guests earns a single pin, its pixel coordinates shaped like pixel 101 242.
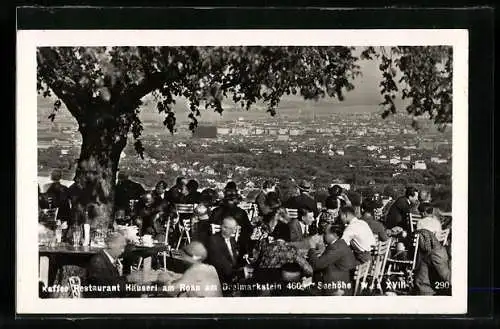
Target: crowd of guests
pixel 325 244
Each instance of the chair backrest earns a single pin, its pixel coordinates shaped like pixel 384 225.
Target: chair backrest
pixel 215 228
pixel 378 213
pixel 186 223
pixel 48 215
pixel 249 208
pixel 375 246
pixel 132 203
pixel 292 213
pixel 360 276
pixel 185 208
pixel 414 218
pixel 380 256
pixel 416 241
pixel 50 201
pixel 443 236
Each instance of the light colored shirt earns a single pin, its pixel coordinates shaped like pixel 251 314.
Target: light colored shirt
pixel 359 234
pixel 430 223
pixel 203 276
pixel 304 228
pixel 229 247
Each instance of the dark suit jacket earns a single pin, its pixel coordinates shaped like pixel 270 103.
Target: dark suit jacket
pixel 296 233
pixel 303 201
pixel 175 195
pixel 193 198
pixel 335 262
pixel 377 228
pixel 101 272
pixel 241 217
pixel 283 227
pixel 220 258
pixel 60 195
pixel 398 214
pixel 125 191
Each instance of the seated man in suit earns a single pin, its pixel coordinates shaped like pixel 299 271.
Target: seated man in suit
pixel 223 252
pixel 304 199
pixel 300 226
pixel 199 280
pixel 399 211
pixel 229 208
pixel 105 269
pixel 332 268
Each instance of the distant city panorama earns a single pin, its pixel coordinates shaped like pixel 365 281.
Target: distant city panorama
pixel 325 147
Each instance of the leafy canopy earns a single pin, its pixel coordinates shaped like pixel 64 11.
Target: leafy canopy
pixel 106 84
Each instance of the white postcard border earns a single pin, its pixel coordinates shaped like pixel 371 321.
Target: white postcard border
pixel 27 300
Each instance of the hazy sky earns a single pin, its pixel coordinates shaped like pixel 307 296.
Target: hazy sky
pixel 366 92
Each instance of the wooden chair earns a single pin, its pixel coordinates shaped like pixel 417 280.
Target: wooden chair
pixel 249 208
pixel 185 208
pixel 414 218
pixel 380 257
pixel 50 201
pixel 378 213
pixel 398 267
pixel 132 204
pixel 360 277
pixel 292 213
pixel 137 267
pixel 48 215
pixel 443 236
pixel 185 228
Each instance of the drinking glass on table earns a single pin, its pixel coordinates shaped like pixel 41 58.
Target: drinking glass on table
pixel 58 235
pixel 77 236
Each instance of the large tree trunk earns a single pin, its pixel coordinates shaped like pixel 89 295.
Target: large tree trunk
pixel 102 144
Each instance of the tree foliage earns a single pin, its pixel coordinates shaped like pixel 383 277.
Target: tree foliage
pixel 425 78
pixel 102 87
pixel 110 81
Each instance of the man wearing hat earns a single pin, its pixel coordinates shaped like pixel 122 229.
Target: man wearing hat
pixel 304 199
pixel 229 208
pixel 260 200
pixel 125 191
pixel 199 280
pixel 59 195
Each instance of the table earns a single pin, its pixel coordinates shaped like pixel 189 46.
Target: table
pixel 53 258
pixel 62 254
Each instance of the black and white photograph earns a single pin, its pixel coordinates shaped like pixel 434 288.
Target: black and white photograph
pixel 240 166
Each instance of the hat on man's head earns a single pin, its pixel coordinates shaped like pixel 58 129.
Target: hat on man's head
pixel 231 194
pixel 304 185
